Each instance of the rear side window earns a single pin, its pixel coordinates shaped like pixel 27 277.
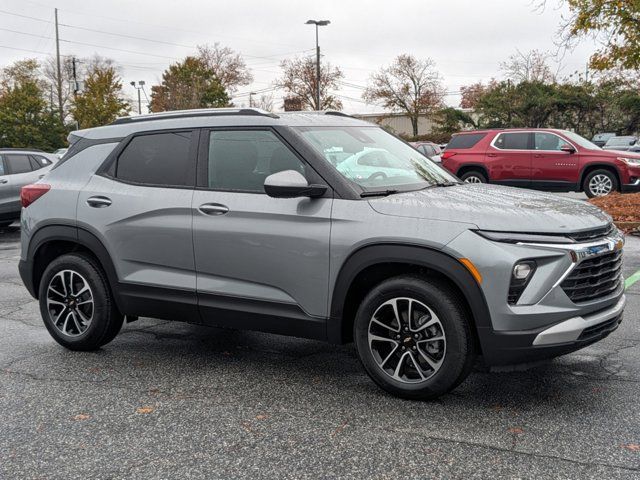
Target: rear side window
pixel 466 140
pixel 18 163
pixel 157 159
pixel 512 141
pixel 2 172
pixel 41 161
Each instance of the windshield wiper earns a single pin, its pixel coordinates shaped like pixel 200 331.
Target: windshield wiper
pixel 378 193
pixel 442 184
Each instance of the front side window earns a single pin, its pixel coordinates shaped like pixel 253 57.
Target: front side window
pixel 548 141
pixel 157 159
pixel 512 141
pixel 242 159
pixel 18 163
pixel 374 159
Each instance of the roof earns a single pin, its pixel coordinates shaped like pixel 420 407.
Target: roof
pixel 523 129
pixel 24 150
pixel 217 117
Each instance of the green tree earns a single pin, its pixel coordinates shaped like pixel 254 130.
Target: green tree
pixel 101 100
pixel 26 121
pixel 186 85
pixel 448 121
pixel 613 23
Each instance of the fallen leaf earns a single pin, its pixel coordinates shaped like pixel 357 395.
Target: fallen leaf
pixel 144 410
pixel 634 447
pixel 82 416
pixel 262 417
pixel 516 430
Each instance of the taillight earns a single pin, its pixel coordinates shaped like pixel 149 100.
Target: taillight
pixel 446 155
pixel 30 193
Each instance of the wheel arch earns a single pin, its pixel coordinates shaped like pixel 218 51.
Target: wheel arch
pixel 587 169
pixel 371 264
pixel 51 241
pixel 468 167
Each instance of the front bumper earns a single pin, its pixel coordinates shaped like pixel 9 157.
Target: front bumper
pixel 632 187
pixel 505 348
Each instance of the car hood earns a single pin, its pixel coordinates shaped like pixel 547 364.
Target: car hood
pixel 493 207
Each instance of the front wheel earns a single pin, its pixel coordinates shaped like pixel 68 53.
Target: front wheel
pixel 600 183
pixel 76 304
pixel 414 338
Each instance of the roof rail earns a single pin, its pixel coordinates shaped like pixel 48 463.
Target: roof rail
pixel 202 112
pixel 338 113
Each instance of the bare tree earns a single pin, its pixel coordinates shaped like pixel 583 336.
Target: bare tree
pixel 227 65
pixel 265 102
pixel 409 85
pixel 50 74
pixel 299 80
pixel 529 66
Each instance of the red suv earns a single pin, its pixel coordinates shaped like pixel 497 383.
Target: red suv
pixel 543 159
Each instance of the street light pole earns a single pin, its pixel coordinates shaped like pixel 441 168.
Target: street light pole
pixel 318 23
pixel 139 86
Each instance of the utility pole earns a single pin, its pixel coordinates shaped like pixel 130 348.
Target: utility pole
pixel 251 94
pixel 318 23
pixel 58 70
pixel 75 78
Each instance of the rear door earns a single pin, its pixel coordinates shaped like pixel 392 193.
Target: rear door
pixel 508 159
pixel 20 173
pixel 6 193
pixel 551 168
pixel 253 252
pixel 140 208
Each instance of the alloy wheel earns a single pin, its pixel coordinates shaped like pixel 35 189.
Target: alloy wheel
pixel 600 185
pixel 407 340
pixel 472 179
pixel 70 303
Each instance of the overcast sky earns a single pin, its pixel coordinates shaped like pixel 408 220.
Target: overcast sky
pixel 466 38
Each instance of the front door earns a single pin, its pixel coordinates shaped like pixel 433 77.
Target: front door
pixel 268 256
pixel 551 168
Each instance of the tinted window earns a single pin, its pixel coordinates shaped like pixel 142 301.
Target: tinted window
pixel 157 159
pixel 41 161
pixel 548 141
pixel 466 140
pixel 18 163
pixel 242 159
pixel 512 141
pixel 1 166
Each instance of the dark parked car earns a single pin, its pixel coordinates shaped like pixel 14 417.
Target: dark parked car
pixel 430 149
pixel 621 144
pixel 601 138
pixel 543 159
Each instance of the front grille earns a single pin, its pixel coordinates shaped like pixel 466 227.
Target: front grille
pixel 594 277
pixel 601 330
pixel 589 235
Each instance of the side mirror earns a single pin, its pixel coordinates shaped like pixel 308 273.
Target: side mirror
pixel 567 148
pixel 291 184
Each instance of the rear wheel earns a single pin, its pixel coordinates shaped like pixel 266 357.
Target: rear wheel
pixel 473 176
pixel 413 337
pixel 76 303
pixel 599 183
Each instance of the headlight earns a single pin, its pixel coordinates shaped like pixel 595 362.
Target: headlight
pixel 634 162
pixel 508 237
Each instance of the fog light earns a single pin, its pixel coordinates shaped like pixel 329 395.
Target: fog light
pixel 520 276
pixel 522 270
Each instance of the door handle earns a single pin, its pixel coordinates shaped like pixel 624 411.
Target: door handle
pixel 537 155
pixel 213 209
pixel 491 155
pixel 98 202
pixel 4 180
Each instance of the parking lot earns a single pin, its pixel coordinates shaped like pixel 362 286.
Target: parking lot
pixel 168 400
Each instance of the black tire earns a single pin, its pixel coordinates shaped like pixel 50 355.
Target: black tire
pixel 459 357
pixel 469 175
pixel 592 192
pixel 106 321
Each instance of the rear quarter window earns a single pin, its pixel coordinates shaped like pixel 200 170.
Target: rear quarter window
pixel 465 140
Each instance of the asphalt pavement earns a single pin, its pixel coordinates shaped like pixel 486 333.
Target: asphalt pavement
pixel 170 400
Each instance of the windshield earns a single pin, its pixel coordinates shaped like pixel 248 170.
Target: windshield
pixel 620 141
pixel 583 142
pixel 374 159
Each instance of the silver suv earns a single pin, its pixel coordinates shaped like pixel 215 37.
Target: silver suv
pixel 18 167
pixel 281 223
